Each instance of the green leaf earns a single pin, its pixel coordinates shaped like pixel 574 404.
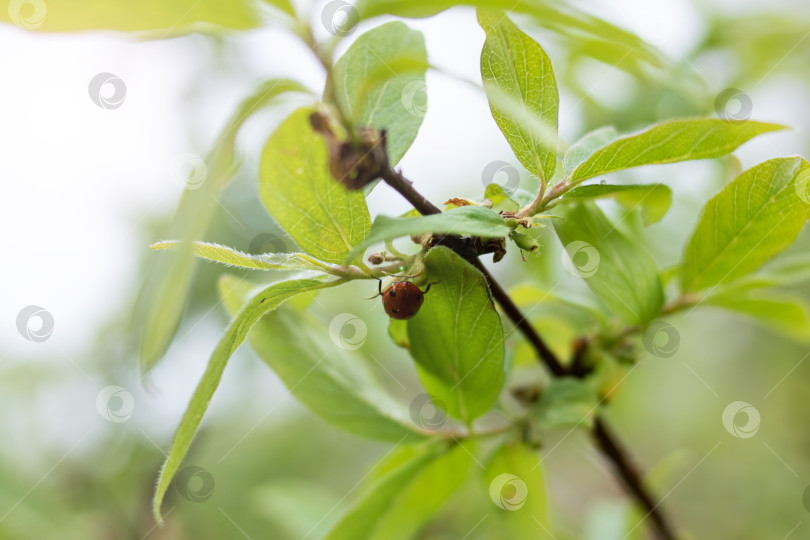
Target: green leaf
pixel 231 257
pixel 501 201
pixel 457 337
pixel 568 21
pixel 654 199
pixel 780 312
pixel 328 376
pixel 516 486
pixel 518 67
pixel 581 150
pixel 466 220
pixel 621 273
pixel 162 19
pixel 398 332
pixel 380 82
pixel 296 187
pixel 163 296
pixel 753 218
pixel 285 6
pixel 670 142
pixel 567 403
pixel 265 301
pixel 406 497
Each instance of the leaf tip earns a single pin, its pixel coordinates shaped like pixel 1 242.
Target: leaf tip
pixel 161 245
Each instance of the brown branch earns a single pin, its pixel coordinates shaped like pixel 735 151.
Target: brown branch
pixel 620 457
pixel 405 187
pixel 516 316
pixel 607 442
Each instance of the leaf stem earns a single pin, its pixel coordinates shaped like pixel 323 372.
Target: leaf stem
pixel 544 198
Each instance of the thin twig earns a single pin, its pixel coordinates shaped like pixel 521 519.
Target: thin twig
pixel 620 457
pixel 607 442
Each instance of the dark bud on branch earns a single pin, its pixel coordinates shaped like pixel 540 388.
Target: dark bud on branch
pixel 353 163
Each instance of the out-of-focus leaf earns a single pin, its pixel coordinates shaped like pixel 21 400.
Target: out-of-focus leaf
pixel 265 94
pixel 406 497
pixel 162 19
pixel 531 295
pixel 782 313
pixel 466 220
pixel 279 501
pixel 567 403
pixel 558 330
pixel 516 485
pixel 780 272
pixel 670 142
pixel 457 337
pixel 620 272
pixel 284 5
pixel 296 187
pixel 265 301
pixel 565 19
pixel 587 145
pixel 322 371
pixel 380 82
pixel 231 257
pixel 518 66
pixel 759 44
pixel 164 294
pixel 559 315
pixel 752 219
pixel 654 199
pixel 613 520
pixel 398 332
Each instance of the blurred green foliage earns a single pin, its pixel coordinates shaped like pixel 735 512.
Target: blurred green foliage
pixel 669 410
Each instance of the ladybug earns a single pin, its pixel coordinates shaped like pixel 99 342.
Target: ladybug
pixel 402 299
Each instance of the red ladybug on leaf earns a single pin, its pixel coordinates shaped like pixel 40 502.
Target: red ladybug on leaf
pixel 402 299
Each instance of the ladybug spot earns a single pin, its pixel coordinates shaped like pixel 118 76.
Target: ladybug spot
pixel 419 296
pixel 395 310
pixel 411 313
pixel 392 293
